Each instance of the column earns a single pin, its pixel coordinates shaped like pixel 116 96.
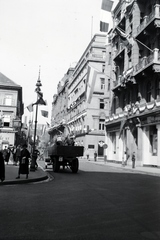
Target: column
pixel 158 144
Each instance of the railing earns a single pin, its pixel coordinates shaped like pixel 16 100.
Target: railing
pixel 144 62
pixel 147 19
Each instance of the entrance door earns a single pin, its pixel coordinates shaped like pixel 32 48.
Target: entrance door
pixel 100 148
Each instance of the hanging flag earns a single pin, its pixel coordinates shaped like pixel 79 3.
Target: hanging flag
pixel 40 101
pixel 105 15
pixel 122 126
pixel 44 113
pixel 91 79
pixel 30 107
pixel 126 39
pixel 48 125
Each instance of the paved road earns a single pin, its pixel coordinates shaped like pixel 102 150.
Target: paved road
pixel 97 203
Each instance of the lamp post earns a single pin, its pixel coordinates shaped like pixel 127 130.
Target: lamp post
pixel 39 95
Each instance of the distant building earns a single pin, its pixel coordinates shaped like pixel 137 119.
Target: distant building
pixel 11 111
pixel 82 107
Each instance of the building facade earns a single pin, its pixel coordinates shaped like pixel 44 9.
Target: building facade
pixel 86 98
pixel 11 111
pixel 134 121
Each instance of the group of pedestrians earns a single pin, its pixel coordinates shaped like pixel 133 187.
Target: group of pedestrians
pixel 22 155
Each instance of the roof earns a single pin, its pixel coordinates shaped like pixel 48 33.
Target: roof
pixel 4 81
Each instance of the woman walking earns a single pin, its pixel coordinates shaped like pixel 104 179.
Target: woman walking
pixel 24 162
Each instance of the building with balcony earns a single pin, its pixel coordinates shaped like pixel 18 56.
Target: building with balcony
pixel 134 122
pixel 11 111
pixel 85 99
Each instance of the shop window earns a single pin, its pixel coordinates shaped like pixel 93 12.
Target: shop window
pixel 101 124
pixel 153 140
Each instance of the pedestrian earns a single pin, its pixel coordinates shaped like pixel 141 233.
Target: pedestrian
pixel 35 154
pixel 133 159
pixel 18 154
pixel 2 166
pixel 95 156
pixel 6 154
pixel 24 162
pixel 127 156
pixel 87 154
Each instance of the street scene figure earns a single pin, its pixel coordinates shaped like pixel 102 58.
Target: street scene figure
pixel 17 154
pixel 35 154
pixel 127 156
pixel 24 162
pixel 87 154
pixel 2 167
pixel 133 159
pixel 6 154
pixel 95 156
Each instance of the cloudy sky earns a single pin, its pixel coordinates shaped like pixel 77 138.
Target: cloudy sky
pixel 52 34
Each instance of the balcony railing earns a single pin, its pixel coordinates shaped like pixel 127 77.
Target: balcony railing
pixel 147 19
pixel 148 60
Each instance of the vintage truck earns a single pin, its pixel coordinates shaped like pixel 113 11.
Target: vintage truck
pixel 65 156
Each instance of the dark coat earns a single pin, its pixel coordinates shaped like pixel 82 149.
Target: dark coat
pixel 2 167
pixel 24 162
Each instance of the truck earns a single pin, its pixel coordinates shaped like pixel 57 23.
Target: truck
pixel 65 156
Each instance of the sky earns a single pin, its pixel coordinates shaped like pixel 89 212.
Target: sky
pixel 52 34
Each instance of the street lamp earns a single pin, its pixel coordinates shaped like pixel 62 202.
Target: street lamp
pixel 39 95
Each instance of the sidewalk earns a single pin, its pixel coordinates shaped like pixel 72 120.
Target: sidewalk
pixel 154 171
pixel 11 172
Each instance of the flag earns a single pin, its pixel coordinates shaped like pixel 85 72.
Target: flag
pixel 123 123
pixel 44 113
pixel 48 125
pixel 107 5
pixel 105 15
pixel 30 107
pixel 40 101
pixel 91 79
pixel 126 39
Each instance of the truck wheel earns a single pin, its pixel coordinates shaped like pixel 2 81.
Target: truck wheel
pixel 56 165
pixel 75 165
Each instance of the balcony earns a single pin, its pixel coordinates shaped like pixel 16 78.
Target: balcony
pixel 152 60
pixel 119 50
pixel 155 14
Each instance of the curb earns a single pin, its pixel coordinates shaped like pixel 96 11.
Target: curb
pixel 126 169
pixel 24 181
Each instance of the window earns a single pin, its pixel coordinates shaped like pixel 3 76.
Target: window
pixel 8 100
pixel 6 120
pixel 101 124
pixel 103 68
pixel 101 105
pixel 153 140
pixel 91 146
pixel 102 83
pixel 148 97
pixel 157 88
pixel 109 84
pixel 114 142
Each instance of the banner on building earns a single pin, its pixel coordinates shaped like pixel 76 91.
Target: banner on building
pixel 44 113
pixel 91 79
pixel 30 107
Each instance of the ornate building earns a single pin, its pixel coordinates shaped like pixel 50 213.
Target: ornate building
pixel 134 122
